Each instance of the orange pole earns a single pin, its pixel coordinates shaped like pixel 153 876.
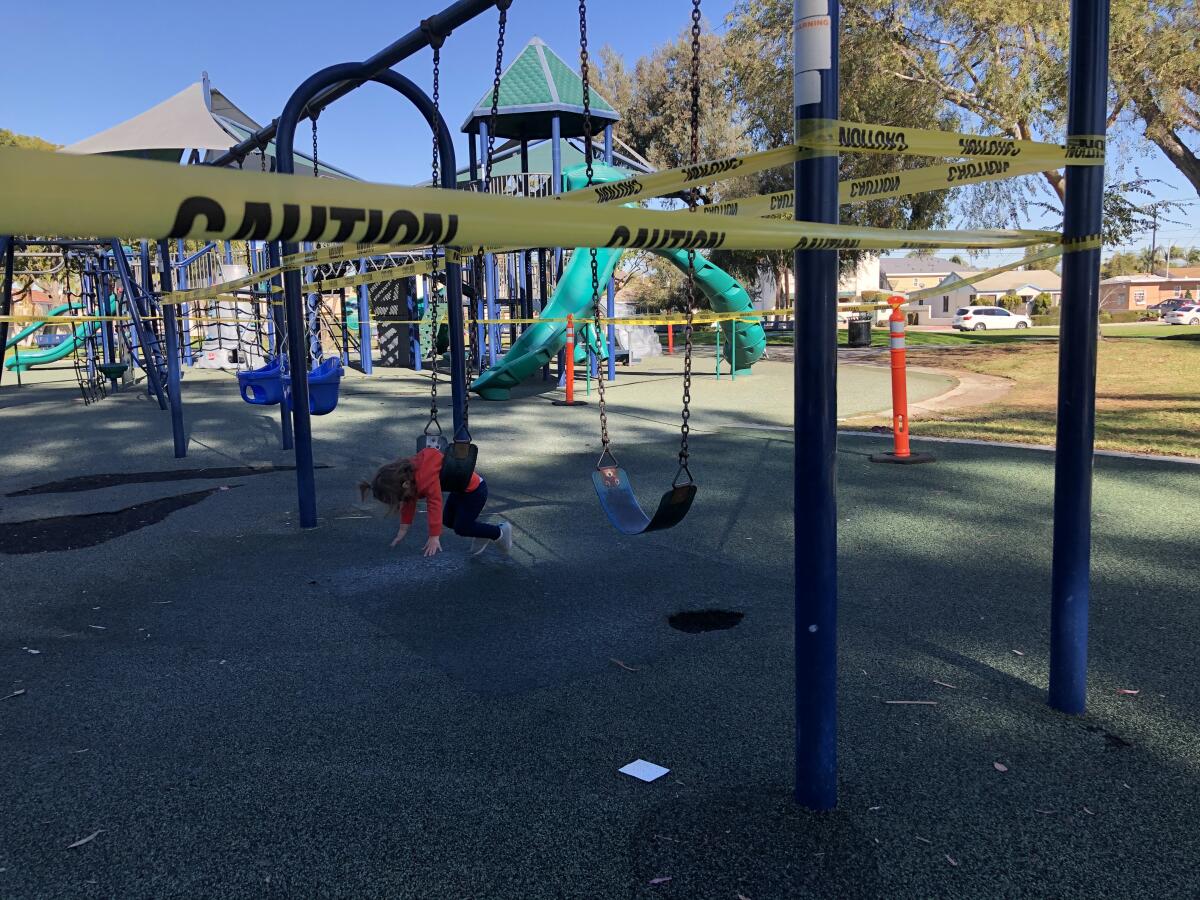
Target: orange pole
pixel 896 324
pixel 570 375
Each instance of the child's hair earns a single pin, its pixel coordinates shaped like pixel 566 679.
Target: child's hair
pixel 392 485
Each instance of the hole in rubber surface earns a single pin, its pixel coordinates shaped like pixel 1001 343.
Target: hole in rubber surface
pixel 701 620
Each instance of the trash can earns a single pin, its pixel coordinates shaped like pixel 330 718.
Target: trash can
pixel 860 331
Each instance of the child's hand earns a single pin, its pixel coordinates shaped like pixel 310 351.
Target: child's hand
pixel 399 535
pixel 432 547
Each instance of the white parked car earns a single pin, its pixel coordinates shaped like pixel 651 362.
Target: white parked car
pixel 1185 315
pixel 981 318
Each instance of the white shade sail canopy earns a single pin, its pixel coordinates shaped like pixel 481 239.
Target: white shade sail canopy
pixel 178 123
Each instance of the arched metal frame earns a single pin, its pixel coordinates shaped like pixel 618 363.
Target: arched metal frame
pixel 298 106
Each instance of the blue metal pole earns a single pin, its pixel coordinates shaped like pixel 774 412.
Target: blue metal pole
pixel 183 307
pixel 7 251
pixel 364 324
pixel 815 25
pixel 170 326
pixel 493 289
pixel 1087 95
pixel 612 288
pixel 151 352
pixel 106 329
pixel 279 347
pixel 556 175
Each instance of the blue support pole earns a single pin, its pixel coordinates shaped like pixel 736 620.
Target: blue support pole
pixel 279 347
pixel 815 26
pixel 170 326
pixel 106 328
pixel 183 307
pixel 612 288
pixel 556 176
pixel 151 352
pixel 364 324
pixel 415 350
pixel 1087 96
pixel 7 251
pixel 493 289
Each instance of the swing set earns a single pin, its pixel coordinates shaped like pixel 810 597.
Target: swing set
pixel 613 485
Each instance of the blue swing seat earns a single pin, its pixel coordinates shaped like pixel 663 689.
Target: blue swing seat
pixel 621 505
pixel 323 385
pixel 262 386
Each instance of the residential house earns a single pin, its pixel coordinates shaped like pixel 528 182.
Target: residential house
pixel 1138 292
pixel 903 274
pixel 1025 283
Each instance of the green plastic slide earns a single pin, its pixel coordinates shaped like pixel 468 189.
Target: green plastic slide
pixel 30 329
pixel 24 360
pixel 542 341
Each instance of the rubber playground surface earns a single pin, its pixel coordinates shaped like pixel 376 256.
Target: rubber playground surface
pixel 208 702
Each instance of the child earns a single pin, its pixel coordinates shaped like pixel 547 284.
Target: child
pixel 399 483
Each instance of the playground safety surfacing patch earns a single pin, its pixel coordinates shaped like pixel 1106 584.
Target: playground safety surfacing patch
pixel 700 620
pixel 118 479
pixel 87 530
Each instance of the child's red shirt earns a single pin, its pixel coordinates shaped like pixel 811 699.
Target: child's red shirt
pixel 427 466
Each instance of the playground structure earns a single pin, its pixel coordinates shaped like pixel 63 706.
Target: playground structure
pixel 816 202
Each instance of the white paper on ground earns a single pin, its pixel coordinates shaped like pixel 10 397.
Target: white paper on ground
pixel 643 771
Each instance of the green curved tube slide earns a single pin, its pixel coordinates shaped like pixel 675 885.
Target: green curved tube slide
pixel 24 360
pixel 30 329
pixel 542 341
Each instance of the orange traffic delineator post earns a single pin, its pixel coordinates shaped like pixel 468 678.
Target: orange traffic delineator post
pixel 901 453
pixel 670 338
pixel 569 374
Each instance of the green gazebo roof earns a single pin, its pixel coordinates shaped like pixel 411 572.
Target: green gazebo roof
pixel 536 87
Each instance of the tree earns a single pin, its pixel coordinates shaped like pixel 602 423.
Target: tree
pixel 24 141
pixel 34 267
pixel 655 104
pixel 1044 265
pixel 1041 304
pixel 1121 264
pixel 1004 65
pixel 656 119
pixel 758 51
pixel 958 260
pixel 1193 256
pixel 1011 300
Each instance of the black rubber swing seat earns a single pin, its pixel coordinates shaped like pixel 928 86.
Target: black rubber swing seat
pixel 458 465
pixel 620 504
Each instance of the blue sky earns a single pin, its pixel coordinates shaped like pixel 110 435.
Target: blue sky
pixel 81 71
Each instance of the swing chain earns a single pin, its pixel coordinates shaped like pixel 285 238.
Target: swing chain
pixel 585 77
pixel 685 424
pixel 494 115
pixel 433 295
pixel 489 152
pixel 316 170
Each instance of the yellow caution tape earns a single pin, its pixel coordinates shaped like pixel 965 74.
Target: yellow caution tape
pixel 50 193
pixel 388 274
pixel 855 137
pixel 824 136
pixel 884 187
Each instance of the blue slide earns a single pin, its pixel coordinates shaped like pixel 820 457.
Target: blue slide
pixel 542 341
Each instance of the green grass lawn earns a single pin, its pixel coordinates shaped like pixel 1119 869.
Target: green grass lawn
pixel 705 336
pixel 1147 398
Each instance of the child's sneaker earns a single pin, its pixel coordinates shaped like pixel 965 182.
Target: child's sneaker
pixel 478 545
pixel 504 542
